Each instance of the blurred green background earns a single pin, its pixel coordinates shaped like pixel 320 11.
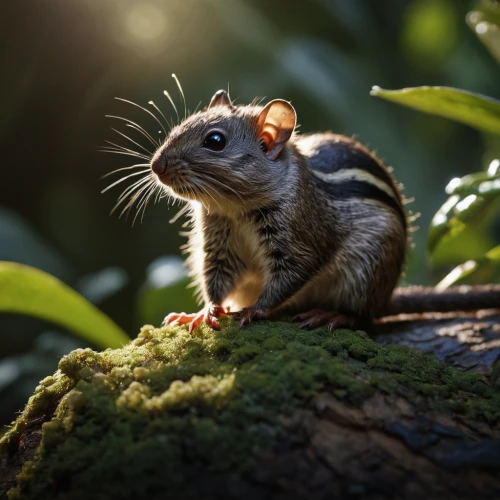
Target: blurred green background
pixel 64 61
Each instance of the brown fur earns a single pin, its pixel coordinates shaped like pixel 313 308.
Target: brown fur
pixel 284 223
pixel 266 231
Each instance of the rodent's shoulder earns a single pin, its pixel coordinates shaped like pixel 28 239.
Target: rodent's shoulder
pixel 345 169
pixel 328 152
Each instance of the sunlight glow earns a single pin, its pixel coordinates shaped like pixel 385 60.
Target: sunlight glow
pixel 482 28
pixel 494 168
pixel 439 219
pixel 145 22
pixel 487 186
pixel 455 274
pixel 452 185
pixel 466 202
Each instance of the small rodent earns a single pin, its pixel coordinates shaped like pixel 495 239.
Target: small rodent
pixel 311 227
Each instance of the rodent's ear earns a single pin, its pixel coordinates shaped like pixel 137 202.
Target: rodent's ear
pixel 221 98
pixel 275 125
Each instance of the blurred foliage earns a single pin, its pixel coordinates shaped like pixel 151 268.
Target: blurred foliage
pixel 474 200
pixel 324 55
pixel 485 21
pixel 26 290
pixel 485 269
pixel 430 31
pixel 166 283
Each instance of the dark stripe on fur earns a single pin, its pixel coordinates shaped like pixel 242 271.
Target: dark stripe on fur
pixel 331 158
pixel 360 189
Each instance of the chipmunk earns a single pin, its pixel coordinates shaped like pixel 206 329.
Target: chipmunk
pixel 286 225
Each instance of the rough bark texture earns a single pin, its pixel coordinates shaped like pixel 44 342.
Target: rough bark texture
pixel 270 412
pixel 468 341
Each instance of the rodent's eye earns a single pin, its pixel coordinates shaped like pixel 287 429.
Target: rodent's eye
pixel 215 141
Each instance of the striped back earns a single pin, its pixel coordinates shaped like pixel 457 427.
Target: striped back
pixel 344 169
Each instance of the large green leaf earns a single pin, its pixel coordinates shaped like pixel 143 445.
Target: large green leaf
pixel 26 290
pixel 476 110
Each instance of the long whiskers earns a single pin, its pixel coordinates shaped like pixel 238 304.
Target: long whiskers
pixel 118 152
pixel 143 201
pixel 182 93
pixel 180 213
pixel 157 189
pixel 137 127
pixel 119 148
pixel 127 192
pixel 167 95
pixel 146 186
pixel 132 141
pixel 151 103
pixel 142 166
pixel 204 188
pixel 147 111
pixel 211 178
pixel 121 180
pixel 139 189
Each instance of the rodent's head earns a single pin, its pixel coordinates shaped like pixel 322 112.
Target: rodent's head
pixel 228 156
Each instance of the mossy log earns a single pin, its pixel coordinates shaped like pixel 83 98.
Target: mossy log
pixel 270 411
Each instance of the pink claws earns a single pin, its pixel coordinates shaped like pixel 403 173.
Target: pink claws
pixel 318 317
pixel 209 315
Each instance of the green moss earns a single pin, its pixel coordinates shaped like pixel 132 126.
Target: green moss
pixel 168 399
pixel 495 376
pixel 273 343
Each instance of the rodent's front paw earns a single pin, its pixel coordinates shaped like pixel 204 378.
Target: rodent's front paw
pixel 209 314
pixel 248 314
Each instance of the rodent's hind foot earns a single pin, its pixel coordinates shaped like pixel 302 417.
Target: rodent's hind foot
pixel 247 315
pixel 208 314
pixel 318 317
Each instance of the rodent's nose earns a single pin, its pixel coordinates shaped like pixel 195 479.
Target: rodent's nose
pixel 159 165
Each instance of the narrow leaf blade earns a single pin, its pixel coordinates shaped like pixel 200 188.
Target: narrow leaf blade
pixel 475 110
pixel 27 290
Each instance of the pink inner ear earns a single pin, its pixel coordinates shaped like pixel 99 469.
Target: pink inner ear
pixel 275 125
pixel 267 138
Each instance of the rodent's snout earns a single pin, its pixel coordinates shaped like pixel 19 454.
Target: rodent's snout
pixel 159 164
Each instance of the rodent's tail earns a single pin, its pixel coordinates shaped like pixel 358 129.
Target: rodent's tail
pixel 416 299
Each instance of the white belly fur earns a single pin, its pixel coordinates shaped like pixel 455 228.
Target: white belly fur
pixel 255 278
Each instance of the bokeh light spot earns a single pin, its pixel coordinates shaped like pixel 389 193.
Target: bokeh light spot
pixel 429 31
pixel 494 168
pixel 145 22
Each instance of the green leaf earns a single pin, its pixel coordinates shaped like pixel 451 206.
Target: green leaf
pixel 453 218
pixel 480 183
pixel 471 201
pixel 483 270
pixel 26 290
pixel 475 110
pixel 485 184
